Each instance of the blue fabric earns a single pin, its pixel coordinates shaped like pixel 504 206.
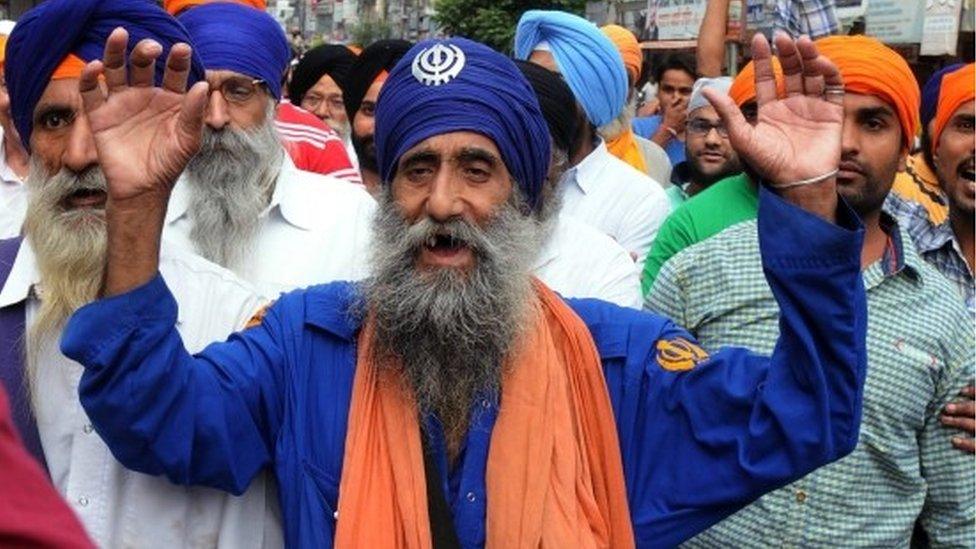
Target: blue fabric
pixel 696 445
pixel 239 38
pixel 647 126
pixel 488 95
pixel 46 34
pixel 587 59
pixel 930 94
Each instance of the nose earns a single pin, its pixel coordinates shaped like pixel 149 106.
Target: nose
pixel 444 202
pixel 80 152
pixel 712 137
pixel 217 115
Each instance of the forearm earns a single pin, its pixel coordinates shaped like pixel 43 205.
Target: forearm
pixel 663 135
pixel 711 39
pixel 135 228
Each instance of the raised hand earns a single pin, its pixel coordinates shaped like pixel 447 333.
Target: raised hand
pixel 144 135
pixel 797 138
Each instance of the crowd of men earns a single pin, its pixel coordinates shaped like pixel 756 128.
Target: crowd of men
pixel 431 295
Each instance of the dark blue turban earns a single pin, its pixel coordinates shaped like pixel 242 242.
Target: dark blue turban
pixel 930 94
pixel 45 35
pixel 239 38
pixel 444 86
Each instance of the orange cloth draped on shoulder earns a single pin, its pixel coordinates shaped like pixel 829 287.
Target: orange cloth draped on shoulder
pixel 743 89
pixel 554 474
pixel 625 147
pixel 174 7
pixel 957 88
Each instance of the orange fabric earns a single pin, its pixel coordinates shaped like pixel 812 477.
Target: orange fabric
pixel 381 77
pixel 70 67
pixel 554 474
pixel 958 87
pixel 920 185
pixel 625 147
pixel 743 89
pixel 3 50
pixel 629 49
pixel 871 68
pixel 174 7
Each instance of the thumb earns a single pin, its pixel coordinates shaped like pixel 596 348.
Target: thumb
pixel 740 131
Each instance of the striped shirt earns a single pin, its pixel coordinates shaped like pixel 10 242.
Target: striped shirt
pixel 312 145
pixel 920 354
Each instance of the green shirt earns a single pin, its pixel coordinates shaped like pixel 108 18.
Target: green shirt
pixel 920 346
pixel 727 202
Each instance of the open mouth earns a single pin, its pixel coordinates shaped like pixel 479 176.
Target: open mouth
pixel 967 172
pixel 446 250
pixel 85 198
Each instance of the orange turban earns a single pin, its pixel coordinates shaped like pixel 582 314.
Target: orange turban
pixel 70 67
pixel 3 50
pixel 176 6
pixel 871 68
pixel 958 87
pixel 626 44
pixel 743 88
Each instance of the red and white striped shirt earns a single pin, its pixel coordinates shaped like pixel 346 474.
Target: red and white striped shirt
pixel 312 145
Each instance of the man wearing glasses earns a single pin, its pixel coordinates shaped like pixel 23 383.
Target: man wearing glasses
pixel 242 203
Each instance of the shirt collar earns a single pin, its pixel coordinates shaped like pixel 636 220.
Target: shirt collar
pixel 7 174
pixel 897 258
pixel 587 172
pixel 23 276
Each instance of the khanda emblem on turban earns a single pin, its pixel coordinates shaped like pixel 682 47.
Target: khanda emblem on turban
pixel 438 65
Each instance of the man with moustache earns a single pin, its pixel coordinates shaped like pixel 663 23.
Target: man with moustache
pixel 59 266
pixel 316 86
pixel 920 341
pixel 450 398
pixel 242 203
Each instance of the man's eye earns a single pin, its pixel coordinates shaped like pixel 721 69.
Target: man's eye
pixel 965 125
pixel 367 109
pixel 419 172
pixel 477 174
pixel 875 124
pixel 54 121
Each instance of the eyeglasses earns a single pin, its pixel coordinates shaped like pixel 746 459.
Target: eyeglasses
pixel 701 127
pixel 239 90
pixel 312 102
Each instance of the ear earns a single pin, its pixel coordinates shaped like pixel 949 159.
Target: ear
pixel 903 160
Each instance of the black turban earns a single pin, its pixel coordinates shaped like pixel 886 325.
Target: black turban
pixel 377 57
pixel 330 59
pixel 557 101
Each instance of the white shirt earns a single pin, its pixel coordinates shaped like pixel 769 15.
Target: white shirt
pixel 580 261
pixel 610 195
pixel 122 508
pixel 317 229
pixel 13 197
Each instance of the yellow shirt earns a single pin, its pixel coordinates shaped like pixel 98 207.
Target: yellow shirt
pixel 918 183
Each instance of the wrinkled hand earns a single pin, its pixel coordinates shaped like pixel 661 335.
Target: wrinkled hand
pixel 798 137
pixel 962 415
pixel 144 135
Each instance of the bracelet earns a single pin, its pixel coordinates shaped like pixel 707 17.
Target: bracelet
pixel 673 133
pixel 810 181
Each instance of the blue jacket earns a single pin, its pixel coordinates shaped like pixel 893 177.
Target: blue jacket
pixel 696 445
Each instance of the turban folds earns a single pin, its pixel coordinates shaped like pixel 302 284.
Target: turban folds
pixel 444 86
pixel 930 93
pixel 174 7
pixel 957 88
pixel 587 59
pixel 330 59
pixel 743 89
pixel 626 43
pixel 238 38
pixel 557 103
pixel 378 58
pixel 48 33
pixel 871 68
pixel 698 100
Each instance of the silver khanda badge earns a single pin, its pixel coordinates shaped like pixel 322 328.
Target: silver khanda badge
pixel 438 64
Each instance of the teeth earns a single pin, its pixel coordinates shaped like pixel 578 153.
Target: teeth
pixel 431 241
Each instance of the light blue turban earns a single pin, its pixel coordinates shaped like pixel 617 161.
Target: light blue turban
pixel 587 59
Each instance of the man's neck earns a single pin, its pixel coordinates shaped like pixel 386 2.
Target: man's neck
pixel 875 239
pixel 14 153
pixel 587 145
pixel 962 224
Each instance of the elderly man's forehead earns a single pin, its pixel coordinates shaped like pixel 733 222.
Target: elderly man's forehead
pixel 453 144
pixel 218 76
pixel 62 93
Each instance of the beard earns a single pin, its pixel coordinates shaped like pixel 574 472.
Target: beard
pixel 365 148
pixel 706 177
pixel 70 248
pixel 449 331
pixel 231 180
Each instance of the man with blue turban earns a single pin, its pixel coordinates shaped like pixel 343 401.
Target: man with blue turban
pixel 59 263
pixel 601 189
pixel 242 203
pixel 451 399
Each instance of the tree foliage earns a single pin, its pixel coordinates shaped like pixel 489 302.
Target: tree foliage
pixel 493 21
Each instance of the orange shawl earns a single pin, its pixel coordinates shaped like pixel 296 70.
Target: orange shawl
pixel 554 474
pixel 625 147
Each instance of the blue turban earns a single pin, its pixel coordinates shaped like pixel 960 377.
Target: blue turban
pixel 46 34
pixel 587 59
pixel 444 86
pixel 239 38
pixel 930 94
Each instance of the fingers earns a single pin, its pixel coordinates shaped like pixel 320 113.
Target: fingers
pixel 740 131
pixel 113 59
pixel 765 78
pixel 177 68
pixel 969 391
pixel 190 120
pixel 789 59
pixel 142 63
pixel 92 94
pixel 813 80
pixel 967 445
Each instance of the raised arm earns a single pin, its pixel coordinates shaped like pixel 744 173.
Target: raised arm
pixel 710 53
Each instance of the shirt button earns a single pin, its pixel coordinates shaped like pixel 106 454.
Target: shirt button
pixel 83 501
pixel 88 429
pixel 471 497
pixel 801 496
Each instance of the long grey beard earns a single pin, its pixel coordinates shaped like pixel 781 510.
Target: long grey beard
pixel 451 331
pixel 231 180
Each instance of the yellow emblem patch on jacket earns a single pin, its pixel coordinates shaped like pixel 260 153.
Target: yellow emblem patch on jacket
pixel 679 354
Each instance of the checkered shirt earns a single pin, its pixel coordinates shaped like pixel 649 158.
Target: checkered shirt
pixel 815 18
pixel 920 347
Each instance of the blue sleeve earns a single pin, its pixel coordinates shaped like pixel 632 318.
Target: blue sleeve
pixel 646 126
pixel 699 444
pixel 207 420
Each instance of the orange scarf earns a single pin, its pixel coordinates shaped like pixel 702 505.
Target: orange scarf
pixel 554 474
pixel 625 147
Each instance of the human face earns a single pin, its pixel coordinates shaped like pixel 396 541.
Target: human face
pixel 245 114
pixel 324 99
pixel 954 156
pixel 872 152
pixel 362 128
pixel 451 176
pixel 710 153
pixel 674 89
